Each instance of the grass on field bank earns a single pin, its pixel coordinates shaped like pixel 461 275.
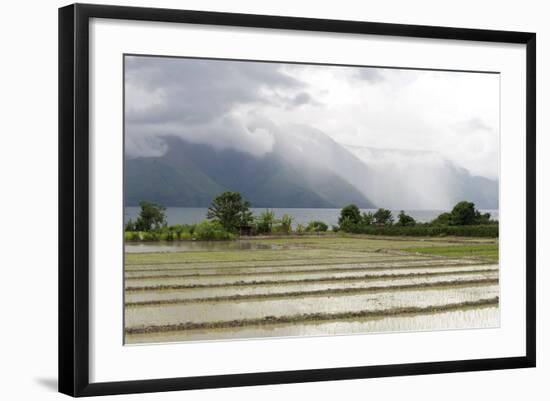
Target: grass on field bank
pixel 487 252
pixel 353 241
pixel 331 279
pixel 351 269
pixel 324 292
pixel 239 256
pixel 329 248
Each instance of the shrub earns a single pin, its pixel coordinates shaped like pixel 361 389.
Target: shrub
pixel 286 224
pixel 212 231
pixel 149 236
pixel 488 230
pixel 316 226
pixel 167 235
pixel 131 236
pixel 185 236
pixel 181 231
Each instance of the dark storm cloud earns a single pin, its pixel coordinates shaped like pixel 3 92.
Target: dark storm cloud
pixel 298 100
pixel 196 100
pixel 193 91
pixel 302 98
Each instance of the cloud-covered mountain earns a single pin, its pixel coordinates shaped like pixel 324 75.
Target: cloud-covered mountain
pixel 410 179
pixel 191 174
pixel 305 169
pixel 196 127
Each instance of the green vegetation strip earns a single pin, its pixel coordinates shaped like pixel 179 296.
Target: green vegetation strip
pixel 360 241
pixel 306 280
pixel 327 292
pixel 327 270
pixel 485 231
pixel 274 258
pixel 488 250
pixel 307 262
pixel 314 317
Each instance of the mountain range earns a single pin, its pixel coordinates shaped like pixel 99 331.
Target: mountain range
pixel 304 169
pixel 414 180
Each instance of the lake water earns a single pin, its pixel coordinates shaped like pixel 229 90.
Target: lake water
pixel 191 215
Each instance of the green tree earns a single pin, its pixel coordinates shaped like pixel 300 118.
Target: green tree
pixel 265 222
pixel 367 219
pixel 246 218
pixel 152 216
pixel 130 226
pixel 485 218
pixel 464 214
pixel 350 214
pixel 404 220
pixel 383 217
pixel 444 219
pixel 231 210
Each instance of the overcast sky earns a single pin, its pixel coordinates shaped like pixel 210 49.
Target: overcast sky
pixel 216 102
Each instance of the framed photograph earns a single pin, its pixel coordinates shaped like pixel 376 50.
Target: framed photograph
pixel 251 199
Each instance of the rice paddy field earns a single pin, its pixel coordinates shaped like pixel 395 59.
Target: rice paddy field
pixel 305 286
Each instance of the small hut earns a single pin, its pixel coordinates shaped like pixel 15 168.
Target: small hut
pixel 245 231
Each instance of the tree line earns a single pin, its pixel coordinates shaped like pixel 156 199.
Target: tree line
pixel 463 214
pixel 229 216
pixel 463 220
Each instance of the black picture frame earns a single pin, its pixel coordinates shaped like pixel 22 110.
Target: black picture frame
pixel 74 200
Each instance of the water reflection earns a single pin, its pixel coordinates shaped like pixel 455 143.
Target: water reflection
pixel 486 317
pixel 188 246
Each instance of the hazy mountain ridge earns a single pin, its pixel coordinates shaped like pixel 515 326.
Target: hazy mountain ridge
pixel 411 179
pixel 306 169
pixel 177 178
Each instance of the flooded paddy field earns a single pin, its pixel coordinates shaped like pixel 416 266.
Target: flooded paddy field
pixel 300 286
pixel 452 320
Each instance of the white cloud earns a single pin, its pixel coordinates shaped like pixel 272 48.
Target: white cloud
pixel 452 113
